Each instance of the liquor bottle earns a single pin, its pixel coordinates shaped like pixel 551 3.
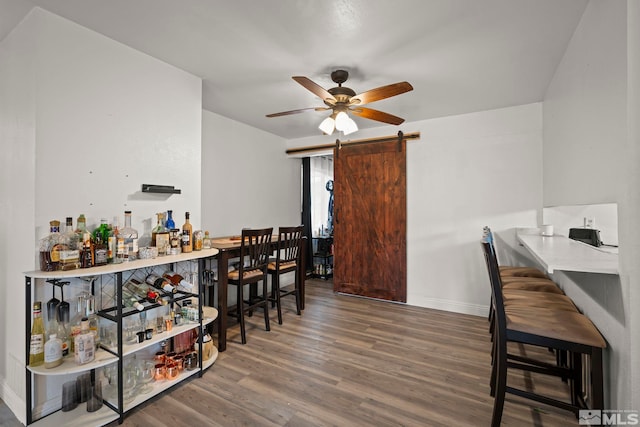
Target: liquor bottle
pixel 36 348
pixel 53 352
pixel 82 233
pixel 159 228
pixel 100 243
pixel 160 283
pixel 206 242
pixel 112 253
pixel 130 236
pixel 178 281
pixel 48 258
pixel 187 235
pixel 170 224
pixel 69 253
pixel 84 346
pixel 85 304
pixel 160 236
pixel 116 243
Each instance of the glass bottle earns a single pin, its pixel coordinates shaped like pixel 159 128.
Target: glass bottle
pixel 53 352
pixel 47 261
pixel 178 281
pixel 170 224
pixel 160 283
pixel 84 346
pixel 84 308
pixel 187 235
pixel 130 236
pixel 63 331
pixel 197 240
pixel 83 235
pixel 129 299
pixel 112 241
pixel 69 253
pixel 206 241
pixel 100 243
pixel 159 228
pixel 36 348
pixel 141 291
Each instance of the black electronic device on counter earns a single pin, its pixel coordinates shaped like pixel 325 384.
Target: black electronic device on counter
pixel 589 236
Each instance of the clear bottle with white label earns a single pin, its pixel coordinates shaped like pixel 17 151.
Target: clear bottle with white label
pixel 84 345
pixel 53 352
pixel 130 236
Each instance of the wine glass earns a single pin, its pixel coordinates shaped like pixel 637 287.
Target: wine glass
pixel 145 374
pixel 129 385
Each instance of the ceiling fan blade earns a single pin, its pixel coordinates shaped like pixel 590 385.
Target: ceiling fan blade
pixel 370 113
pixel 316 89
pixel 380 93
pixel 302 110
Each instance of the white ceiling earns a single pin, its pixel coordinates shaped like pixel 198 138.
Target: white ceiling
pixel 459 55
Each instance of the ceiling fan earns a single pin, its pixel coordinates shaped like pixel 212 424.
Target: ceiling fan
pixel 342 99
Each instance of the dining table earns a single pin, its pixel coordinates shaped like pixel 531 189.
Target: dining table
pixel 229 248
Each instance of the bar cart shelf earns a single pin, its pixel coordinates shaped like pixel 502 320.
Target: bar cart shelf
pixel 114 408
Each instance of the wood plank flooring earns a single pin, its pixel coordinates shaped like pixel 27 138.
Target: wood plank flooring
pixel 350 361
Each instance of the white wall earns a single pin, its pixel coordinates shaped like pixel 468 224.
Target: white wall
pixel 17 202
pixel 88 120
pixel 585 127
pixel 584 111
pixel 465 172
pixel 631 202
pixel 247 179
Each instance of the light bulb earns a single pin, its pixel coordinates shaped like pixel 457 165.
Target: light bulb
pixel 327 125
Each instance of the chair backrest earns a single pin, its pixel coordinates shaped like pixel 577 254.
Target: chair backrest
pixel 289 250
pixel 497 299
pixel 255 249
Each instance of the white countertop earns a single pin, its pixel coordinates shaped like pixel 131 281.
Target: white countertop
pixel 561 253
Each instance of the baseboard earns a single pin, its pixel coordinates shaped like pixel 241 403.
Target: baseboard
pixel 453 306
pixel 13 401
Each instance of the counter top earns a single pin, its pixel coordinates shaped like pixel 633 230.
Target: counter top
pixel 561 253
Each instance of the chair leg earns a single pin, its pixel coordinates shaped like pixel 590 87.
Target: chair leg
pixel 240 308
pixel 266 305
pixel 275 286
pixel 297 293
pixel 597 399
pixel 500 385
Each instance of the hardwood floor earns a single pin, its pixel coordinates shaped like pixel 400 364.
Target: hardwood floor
pixel 349 361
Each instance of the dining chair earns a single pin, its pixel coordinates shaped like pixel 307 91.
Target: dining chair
pixel 287 260
pixel 560 330
pixel 255 249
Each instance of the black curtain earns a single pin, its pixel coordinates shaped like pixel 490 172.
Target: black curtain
pixel 306 210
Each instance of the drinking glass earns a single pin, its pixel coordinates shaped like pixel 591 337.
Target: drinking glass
pixel 145 375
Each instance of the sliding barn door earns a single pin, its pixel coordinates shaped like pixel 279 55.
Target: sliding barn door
pixel 370 257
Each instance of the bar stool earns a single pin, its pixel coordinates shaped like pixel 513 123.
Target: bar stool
pixel 287 260
pixel 564 331
pixel 254 258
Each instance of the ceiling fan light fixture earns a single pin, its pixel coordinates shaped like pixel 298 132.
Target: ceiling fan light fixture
pixel 351 127
pixel 327 126
pixel 342 121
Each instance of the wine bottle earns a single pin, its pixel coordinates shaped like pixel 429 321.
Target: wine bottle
pixel 36 348
pixel 178 281
pixel 160 283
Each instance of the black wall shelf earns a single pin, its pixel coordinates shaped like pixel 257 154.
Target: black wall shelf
pixel 167 189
